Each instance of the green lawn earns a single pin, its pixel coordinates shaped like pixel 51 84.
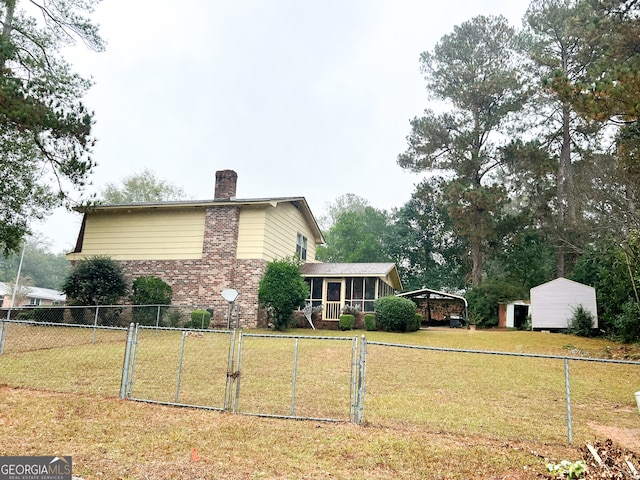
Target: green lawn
pixel 428 414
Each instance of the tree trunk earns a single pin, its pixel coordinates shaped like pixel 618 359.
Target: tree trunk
pixel 5 39
pixel 566 207
pixel 476 262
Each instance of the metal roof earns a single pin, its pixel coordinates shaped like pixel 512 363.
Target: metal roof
pixel 428 292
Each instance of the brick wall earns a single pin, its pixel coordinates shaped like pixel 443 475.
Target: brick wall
pixel 199 282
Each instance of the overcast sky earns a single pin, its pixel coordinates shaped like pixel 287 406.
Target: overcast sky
pixel 300 98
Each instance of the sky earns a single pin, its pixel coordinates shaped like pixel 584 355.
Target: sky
pixel 300 98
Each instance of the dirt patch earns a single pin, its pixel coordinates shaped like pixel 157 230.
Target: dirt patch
pixel 628 438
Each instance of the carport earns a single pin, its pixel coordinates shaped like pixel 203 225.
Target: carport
pixel 456 314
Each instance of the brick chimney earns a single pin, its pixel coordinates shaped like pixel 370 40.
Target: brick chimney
pixel 226 181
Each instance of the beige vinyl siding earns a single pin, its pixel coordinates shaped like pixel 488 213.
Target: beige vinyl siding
pixel 145 235
pixel 251 232
pixel 270 232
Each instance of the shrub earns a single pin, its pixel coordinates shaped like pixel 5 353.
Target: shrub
pixel 175 318
pixel 149 290
pixel 370 322
pixel 581 322
pixel 200 319
pixel 347 321
pixel 395 314
pixel 417 320
pixel 95 281
pixel 50 315
pixel 626 325
pixel 282 290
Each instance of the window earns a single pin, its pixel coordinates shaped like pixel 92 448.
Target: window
pixel 301 247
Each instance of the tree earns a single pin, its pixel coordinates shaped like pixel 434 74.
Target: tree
pixel 559 48
pixel 474 71
pixel 608 88
pixel 422 242
pixel 356 236
pixel 95 281
pixel 281 290
pixel 141 187
pixel 46 269
pixel 45 130
pixel 345 203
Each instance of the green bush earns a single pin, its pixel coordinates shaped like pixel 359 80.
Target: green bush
pixel 347 321
pixel 174 318
pixel 395 314
pixel 149 290
pixel 370 322
pixel 417 323
pixel 95 281
pixel 626 325
pixel 581 322
pixel 200 319
pixel 281 290
pixel 50 315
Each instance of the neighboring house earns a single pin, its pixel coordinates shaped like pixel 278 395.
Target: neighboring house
pixel 553 303
pixel 30 296
pixel 203 247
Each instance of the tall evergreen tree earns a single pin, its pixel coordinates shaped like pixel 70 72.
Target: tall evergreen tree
pixel 559 49
pixel 45 130
pixel 475 72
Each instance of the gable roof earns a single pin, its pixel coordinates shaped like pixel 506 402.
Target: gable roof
pixel 385 271
pixel 298 202
pixel 560 282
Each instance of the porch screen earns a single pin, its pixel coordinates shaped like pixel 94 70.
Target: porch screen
pixel 361 293
pixel 315 291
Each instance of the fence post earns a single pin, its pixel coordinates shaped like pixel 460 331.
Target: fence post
pixel 95 324
pixel 184 334
pixel 228 396
pixel 295 377
pixel 361 381
pixel 126 367
pixel 4 326
pixel 568 393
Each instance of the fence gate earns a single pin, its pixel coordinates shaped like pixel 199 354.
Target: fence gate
pixel 180 367
pixel 302 377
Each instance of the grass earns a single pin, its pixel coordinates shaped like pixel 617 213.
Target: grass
pixel 428 414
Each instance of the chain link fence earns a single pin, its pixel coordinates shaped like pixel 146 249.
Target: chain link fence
pixel 176 316
pixel 335 378
pixel 484 392
pixel 183 367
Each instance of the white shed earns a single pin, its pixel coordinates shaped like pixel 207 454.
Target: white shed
pixel 553 303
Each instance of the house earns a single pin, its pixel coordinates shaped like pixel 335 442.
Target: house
pixel 30 296
pixel 204 247
pixel 553 303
